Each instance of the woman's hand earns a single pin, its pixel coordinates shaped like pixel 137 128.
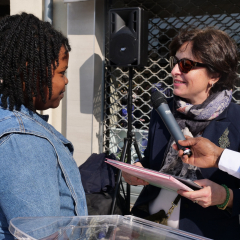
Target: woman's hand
pixel 130 179
pixel 211 194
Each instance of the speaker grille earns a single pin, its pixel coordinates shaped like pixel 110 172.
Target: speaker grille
pixel 123 49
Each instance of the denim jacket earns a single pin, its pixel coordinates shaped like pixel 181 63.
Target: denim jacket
pixel 39 176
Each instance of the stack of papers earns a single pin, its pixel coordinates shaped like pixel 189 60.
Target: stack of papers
pixel 155 178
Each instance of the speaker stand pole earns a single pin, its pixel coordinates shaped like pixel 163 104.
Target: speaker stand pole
pixel 128 141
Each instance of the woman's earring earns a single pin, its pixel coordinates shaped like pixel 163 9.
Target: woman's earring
pixel 211 85
pixel 1 84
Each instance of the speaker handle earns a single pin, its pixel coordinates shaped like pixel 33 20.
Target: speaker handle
pixel 116 22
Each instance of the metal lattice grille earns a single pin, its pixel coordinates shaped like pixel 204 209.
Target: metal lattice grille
pixel 166 19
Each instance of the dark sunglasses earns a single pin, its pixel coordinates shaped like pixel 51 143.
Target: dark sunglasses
pixel 185 65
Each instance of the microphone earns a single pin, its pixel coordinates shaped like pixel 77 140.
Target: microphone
pixel 159 103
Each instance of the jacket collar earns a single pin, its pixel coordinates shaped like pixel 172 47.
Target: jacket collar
pixel 42 119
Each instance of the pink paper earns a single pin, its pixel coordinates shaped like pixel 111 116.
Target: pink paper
pixel 152 177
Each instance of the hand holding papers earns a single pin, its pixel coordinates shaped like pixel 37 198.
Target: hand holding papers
pixel 156 178
pixel 132 180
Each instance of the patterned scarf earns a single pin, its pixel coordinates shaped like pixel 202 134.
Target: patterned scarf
pixel 193 119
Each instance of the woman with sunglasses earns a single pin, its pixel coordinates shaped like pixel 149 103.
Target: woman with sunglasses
pixel 204 69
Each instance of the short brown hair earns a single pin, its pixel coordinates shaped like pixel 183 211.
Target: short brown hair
pixel 213 47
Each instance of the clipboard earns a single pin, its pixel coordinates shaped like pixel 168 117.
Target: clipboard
pixel 155 178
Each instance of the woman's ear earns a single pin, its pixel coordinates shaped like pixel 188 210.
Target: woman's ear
pixel 214 78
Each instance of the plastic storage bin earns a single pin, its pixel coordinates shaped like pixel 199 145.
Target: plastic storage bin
pixel 102 227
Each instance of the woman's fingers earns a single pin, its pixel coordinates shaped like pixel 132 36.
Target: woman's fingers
pixel 194 195
pixel 133 180
pixel 211 194
pixel 138 164
pixel 200 197
pixel 141 182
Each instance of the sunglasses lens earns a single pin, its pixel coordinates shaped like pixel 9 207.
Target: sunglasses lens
pixel 185 65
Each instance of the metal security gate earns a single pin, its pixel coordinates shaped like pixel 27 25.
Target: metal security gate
pixel 166 18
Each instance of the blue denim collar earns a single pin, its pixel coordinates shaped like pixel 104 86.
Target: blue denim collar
pixel 27 111
pixel 42 119
pixel 36 116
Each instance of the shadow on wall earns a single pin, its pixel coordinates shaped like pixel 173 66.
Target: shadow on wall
pixel 97 88
pixel 91 80
pixel 91 86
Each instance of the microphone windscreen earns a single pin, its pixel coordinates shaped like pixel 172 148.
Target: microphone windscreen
pixel 157 98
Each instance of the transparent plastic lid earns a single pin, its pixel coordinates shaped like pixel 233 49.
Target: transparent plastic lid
pixel 102 227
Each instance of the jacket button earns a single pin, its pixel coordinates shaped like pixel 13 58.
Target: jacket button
pixel 186 205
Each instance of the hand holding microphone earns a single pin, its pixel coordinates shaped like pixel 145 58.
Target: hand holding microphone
pixel 159 103
pixel 205 154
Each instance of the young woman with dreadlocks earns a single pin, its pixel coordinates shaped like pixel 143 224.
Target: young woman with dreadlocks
pixel 39 176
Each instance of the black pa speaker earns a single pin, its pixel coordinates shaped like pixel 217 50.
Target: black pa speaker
pixel 128 41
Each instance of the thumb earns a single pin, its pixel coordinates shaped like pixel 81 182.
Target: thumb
pixel 188 142
pixel 201 182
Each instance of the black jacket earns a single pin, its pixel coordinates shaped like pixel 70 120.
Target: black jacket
pixel 209 222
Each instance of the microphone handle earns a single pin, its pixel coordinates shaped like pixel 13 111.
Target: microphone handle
pixel 172 126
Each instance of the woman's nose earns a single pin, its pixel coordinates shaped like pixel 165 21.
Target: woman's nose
pixel 176 71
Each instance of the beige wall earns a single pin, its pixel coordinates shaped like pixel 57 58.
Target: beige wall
pixel 84 93
pixel 29 6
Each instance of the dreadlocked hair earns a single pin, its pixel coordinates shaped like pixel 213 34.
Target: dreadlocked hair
pixel 29 52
